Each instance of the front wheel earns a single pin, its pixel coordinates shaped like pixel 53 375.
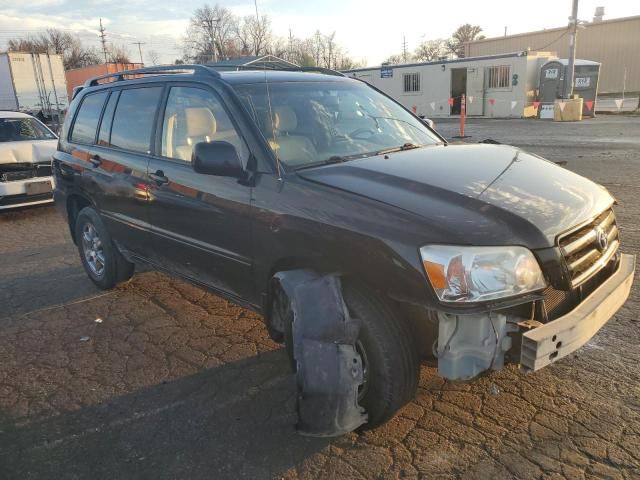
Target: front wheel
pixel 102 261
pixel 390 357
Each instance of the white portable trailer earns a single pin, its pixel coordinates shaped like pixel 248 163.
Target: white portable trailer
pixel 503 85
pixel 33 83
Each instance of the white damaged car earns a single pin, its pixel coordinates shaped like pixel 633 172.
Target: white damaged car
pixel 26 148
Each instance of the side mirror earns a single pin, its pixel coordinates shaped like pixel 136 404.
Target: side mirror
pixel 216 158
pixel 429 123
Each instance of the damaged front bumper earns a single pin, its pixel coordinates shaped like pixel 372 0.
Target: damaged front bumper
pixel 562 336
pixel 468 345
pixel 31 191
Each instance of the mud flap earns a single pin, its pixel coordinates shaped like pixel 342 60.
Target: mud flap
pixel 328 367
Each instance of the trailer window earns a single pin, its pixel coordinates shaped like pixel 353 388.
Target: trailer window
pixel 84 128
pixel 411 82
pixel 499 76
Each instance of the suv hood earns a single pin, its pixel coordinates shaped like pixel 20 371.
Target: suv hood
pixel 474 194
pixel 27 151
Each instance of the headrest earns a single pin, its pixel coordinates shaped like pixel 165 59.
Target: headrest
pixel 284 119
pixel 199 122
pixel 349 110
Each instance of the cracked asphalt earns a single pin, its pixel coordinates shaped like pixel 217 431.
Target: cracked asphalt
pixel 160 379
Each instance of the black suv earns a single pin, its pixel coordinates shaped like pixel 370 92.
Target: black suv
pixel 366 241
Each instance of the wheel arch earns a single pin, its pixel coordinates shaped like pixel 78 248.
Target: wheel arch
pixel 75 203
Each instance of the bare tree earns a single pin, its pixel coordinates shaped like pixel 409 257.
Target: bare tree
pixel 465 33
pixel 154 57
pixel 431 50
pixel 395 59
pixel 119 54
pixel 74 53
pixel 212 34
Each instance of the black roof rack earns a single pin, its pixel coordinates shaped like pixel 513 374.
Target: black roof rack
pixel 159 70
pixel 266 66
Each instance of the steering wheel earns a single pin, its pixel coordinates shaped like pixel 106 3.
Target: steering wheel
pixel 358 133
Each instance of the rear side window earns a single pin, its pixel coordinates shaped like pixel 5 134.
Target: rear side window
pixel 84 128
pixel 134 117
pixel 107 118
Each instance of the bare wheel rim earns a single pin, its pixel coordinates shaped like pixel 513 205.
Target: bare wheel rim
pixel 92 249
pixel 362 389
pixel 281 312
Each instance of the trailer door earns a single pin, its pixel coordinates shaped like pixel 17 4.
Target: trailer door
pixel 475 91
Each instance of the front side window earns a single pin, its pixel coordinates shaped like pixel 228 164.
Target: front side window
pixel 23 129
pixel 195 115
pixel 313 122
pixel 134 117
pixel 84 127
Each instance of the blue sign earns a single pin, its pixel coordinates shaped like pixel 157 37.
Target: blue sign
pixel 386 72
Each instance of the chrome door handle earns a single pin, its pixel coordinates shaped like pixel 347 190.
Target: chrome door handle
pixel 95 160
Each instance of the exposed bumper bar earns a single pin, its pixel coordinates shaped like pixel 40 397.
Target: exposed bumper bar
pixel 554 340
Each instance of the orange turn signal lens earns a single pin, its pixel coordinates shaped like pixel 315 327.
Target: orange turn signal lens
pixel 435 272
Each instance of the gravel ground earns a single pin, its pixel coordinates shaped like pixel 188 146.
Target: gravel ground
pixel 160 379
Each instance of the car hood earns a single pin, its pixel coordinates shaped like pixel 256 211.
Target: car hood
pixel 27 152
pixel 474 194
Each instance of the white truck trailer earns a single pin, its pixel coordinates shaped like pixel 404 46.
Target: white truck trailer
pixel 33 83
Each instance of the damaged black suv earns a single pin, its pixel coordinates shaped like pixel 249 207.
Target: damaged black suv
pixel 366 241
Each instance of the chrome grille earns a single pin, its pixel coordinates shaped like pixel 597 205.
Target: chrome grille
pixel 590 247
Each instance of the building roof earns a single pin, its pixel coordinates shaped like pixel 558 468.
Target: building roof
pixel 578 61
pixel 555 29
pixel 440 62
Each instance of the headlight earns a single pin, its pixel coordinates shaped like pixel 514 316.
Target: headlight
pixel 476 274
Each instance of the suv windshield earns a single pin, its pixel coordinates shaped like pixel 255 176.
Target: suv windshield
pixel 309 123
pixel 21 129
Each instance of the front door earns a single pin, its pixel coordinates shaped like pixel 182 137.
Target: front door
pixel 475 91
pixel 201 224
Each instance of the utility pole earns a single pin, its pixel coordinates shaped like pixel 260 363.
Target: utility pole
pixel 255 2
pixel 505 30
pixel 573 37
pixel 139 49
pixel 103 40
pixel 404 49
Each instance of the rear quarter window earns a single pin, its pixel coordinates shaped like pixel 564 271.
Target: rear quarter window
pixel 86 123
pixel 134 118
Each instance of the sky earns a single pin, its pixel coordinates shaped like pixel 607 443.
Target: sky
pixel 370 31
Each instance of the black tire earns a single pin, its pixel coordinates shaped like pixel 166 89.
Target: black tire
pixel 389 352
pixel 115 268
pixel 390 355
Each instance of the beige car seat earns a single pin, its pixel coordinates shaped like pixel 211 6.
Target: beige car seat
pixel 291 149
pixel 200 126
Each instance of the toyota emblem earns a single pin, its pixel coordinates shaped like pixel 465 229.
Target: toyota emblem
pixel 602 242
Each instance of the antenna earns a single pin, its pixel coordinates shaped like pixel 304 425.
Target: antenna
pixel 103 40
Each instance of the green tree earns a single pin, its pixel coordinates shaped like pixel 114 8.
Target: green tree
pixel 465 33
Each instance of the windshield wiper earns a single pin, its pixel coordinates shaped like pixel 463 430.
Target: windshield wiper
pixel 401 148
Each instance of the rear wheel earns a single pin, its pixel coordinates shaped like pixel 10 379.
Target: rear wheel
pixel 390 358
pixel 102 261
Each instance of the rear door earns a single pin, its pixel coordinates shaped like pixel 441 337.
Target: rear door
pixel 201 224
pixel 121 156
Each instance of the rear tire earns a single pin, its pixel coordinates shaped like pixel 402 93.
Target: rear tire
pixel 103 263
pixel 389 354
